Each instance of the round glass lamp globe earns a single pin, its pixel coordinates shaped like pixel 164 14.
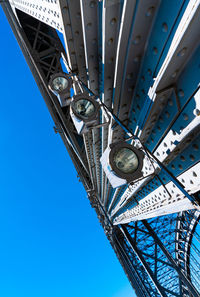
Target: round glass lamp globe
pixel 84 108
pixel 59 84
pixel 126 160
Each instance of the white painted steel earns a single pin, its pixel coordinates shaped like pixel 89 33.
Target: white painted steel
pixel 159 202
pixel 43 10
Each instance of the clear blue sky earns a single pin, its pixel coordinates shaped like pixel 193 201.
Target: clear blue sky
pixel 51 243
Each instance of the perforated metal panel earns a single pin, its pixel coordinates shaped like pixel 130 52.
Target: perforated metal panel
pixel 44 10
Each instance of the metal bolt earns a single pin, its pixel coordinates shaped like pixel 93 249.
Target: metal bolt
pixel 137 39
pixel 136 59
pixel 92 4
pixel 150 11
pixel 113 21
pixel 182 52
pixel 181 93
pixel 155 50
pixel 164 27
pixel 110 41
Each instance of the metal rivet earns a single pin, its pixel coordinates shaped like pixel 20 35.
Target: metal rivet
pixel 181 93
pixel 182 158
pixel 92 4
pixel 182 52
pixel 195 147
pixel 155 51
pixel 192 158
pixel 78 15
pixel 164 27
pixel 136 59
pixel 149 71
pixel 113 21
pixel 185 116
pixel 174 74
pixel 150 11
pixel 137 39
pixel 110 41
pixel 89 25
pixel 65 9
pixel 110 61
pixel 167 114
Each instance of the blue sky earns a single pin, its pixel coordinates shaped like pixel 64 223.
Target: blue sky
pixel 51 243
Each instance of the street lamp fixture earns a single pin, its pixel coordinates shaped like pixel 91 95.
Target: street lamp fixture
pixel 60 84
pixel 84 112
pixel 122 163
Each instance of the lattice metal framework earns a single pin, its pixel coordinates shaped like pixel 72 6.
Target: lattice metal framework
pixel 143 64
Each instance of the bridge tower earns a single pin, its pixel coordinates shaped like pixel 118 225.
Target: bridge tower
pixel 121 81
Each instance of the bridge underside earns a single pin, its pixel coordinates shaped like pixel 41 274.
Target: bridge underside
pixel 141 58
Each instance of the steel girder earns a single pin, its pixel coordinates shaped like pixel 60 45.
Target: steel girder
pixel 139 65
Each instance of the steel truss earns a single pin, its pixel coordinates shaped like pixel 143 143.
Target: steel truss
pixel 159 251
pixel 43 50
pixel 159 255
